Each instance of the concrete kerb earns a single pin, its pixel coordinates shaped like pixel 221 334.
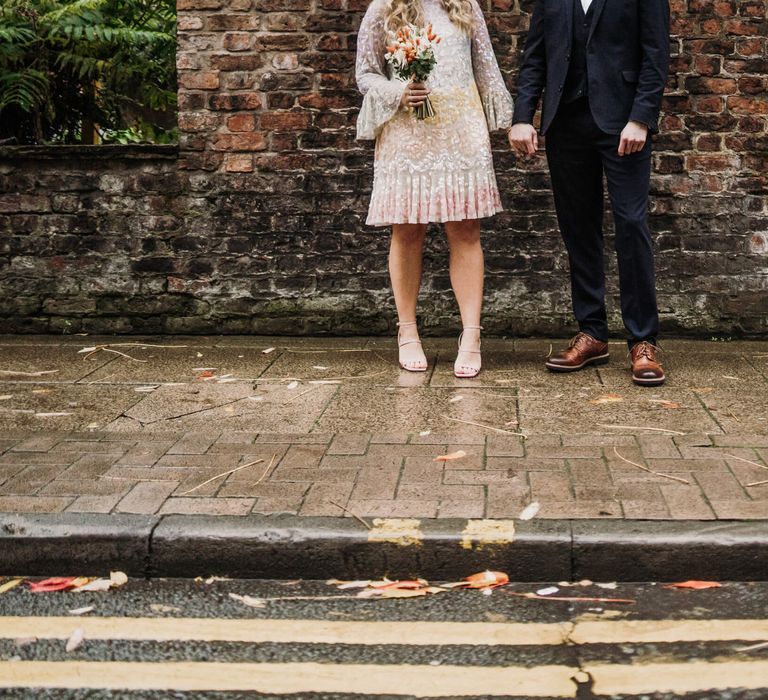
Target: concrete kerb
pixel 291 547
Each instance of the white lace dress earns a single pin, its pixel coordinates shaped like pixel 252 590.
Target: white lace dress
pixel 439 169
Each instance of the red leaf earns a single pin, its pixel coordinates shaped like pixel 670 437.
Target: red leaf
pixel 487 579
pixel 53 584
pixel 695 585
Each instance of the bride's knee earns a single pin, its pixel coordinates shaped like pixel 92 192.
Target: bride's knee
pixel 409 234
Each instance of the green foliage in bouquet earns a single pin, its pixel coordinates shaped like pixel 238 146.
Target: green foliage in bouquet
pixel 75 71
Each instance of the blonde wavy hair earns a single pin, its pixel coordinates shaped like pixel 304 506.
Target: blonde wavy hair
pixel 402 12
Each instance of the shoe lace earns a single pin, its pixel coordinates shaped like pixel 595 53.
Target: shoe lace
pixel 578 339
pixel 647 350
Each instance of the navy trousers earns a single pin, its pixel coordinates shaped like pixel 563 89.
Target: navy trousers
pixel 579 153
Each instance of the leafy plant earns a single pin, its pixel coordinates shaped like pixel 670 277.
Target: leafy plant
pixel 71 69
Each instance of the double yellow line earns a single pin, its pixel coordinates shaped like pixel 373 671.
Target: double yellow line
pixel 375 679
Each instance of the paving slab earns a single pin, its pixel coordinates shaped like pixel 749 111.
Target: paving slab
pixel 48 363
pixel 268 406
pixel 63 406
pixel 414 410
pixel 149 364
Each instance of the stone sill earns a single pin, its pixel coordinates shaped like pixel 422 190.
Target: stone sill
pixel 100 152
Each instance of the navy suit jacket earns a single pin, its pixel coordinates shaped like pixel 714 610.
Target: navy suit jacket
pixel 627 61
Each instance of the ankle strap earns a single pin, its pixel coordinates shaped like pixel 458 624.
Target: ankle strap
pixel 473 328
pixel 406 323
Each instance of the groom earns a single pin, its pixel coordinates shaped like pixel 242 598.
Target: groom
pixel 602 66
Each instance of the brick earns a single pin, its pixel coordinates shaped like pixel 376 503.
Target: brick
pixel 207 506
pixel 95 504
pixel 38 443
pixel 349 445
pixel 146 498
pixel 580 509
pixel 192 444
pixel 319 497
pixel 507 499
pixel 505 446
pixel 393 509
pixel 687 502
pixel 33 504
pixel 550 487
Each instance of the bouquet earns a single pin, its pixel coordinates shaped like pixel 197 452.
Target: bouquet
pixel 412 57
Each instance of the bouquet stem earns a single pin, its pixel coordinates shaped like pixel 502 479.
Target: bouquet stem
pixel 425 110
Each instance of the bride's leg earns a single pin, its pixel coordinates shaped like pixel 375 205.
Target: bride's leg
pixel 467 273
pixel 405 254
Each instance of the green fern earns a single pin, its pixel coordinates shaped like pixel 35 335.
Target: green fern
pixel 66 62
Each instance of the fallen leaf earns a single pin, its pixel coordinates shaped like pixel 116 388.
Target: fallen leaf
pixel 160 608
pixel 529 511
pixel 607 398
pixel 250 601
pixel 58 583
pixel 612 585
pixel 76 640
pixel 666 404
pixel 695 585
pixel 82 611
pixel 267 351
pixel 344 585
pixel 450 457
pixel 206 375
pixel 22 642
pixel 407 584
pixel 424 433
pixel 320 367
pixel 486 579
pixel 118 578
pixel 292 385
pixel 549 590
pixel 402 593
pixel 456 398
pixel 100 584
pixel 9 585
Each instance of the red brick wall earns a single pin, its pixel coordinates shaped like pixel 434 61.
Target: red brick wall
pixel 264 230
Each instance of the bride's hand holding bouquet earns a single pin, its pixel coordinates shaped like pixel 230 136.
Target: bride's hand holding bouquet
pixel 411 54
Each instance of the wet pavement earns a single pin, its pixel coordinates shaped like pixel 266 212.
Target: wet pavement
pixel 307 639
pixel 152 425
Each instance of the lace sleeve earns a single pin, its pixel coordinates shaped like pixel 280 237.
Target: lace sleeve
pixel 497 102
pixel 381 95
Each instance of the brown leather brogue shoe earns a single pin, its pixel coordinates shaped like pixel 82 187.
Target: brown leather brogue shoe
pixel 646 368
pixel 583 350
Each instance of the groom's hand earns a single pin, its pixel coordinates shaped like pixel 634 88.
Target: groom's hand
pixel 633 138
pixel 523 139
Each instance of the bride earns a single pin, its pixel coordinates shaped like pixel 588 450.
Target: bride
pixel 439 170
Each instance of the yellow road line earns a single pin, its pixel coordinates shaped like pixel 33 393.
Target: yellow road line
pixel 286 631
pixel 420 633
pixel 679 678
pixel 661 631
pixel 364 679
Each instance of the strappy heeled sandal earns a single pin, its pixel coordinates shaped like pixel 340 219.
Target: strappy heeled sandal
pixel 400 344
pixel 468 371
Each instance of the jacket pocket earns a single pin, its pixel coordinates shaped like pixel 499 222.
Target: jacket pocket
pixel 631 76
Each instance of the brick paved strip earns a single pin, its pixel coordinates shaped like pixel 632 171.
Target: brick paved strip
pixel 571 476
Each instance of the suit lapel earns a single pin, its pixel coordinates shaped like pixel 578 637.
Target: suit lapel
pixel 598 5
